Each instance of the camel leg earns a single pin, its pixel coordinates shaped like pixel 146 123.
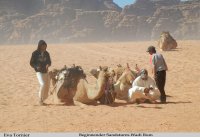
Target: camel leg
pixel 55 99
pixel 77 103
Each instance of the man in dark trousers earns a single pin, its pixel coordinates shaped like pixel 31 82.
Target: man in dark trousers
pixel 159 68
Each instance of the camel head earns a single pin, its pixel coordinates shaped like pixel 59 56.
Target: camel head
pixel 104 73
pixel 108 95
pixel 118 71
pixel 108 70
pixel 128 76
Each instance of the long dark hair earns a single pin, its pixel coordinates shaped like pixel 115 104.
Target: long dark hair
pixel 40 44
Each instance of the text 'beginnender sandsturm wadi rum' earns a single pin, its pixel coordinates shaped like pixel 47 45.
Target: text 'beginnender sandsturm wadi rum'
pixel 97 47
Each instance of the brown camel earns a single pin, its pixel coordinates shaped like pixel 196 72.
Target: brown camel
pixel 166 42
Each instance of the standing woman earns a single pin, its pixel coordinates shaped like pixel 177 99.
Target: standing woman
pixel 159 68
pixel 41 61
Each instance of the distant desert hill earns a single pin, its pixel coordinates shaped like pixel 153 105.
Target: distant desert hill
pixel 57 21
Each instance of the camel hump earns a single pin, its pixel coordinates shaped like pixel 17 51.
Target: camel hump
pixel 70 75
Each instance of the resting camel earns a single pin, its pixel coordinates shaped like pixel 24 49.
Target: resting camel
pixel 88 94
pixel 76 89
pixel 123 80
pixel 65 83
pixel 166 42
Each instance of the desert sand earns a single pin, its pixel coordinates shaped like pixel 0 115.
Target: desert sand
pixel 19 90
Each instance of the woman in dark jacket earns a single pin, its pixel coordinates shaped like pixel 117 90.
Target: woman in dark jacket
pixel 41 61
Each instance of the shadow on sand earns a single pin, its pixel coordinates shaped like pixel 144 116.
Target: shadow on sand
pixel 117 104
pixel 155 107
pixel 178 102
pixel 124 104
pixel 171 50
pixel 169 96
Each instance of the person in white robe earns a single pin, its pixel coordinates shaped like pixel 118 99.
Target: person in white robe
pixel 143 89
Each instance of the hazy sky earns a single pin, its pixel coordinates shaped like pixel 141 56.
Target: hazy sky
pixel 122 3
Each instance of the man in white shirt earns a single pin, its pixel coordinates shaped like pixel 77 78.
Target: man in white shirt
pixel 143 89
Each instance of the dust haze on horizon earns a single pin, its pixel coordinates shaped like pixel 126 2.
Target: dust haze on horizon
pixel 97 20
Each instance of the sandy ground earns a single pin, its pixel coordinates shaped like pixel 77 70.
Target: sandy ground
pixel 19 90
